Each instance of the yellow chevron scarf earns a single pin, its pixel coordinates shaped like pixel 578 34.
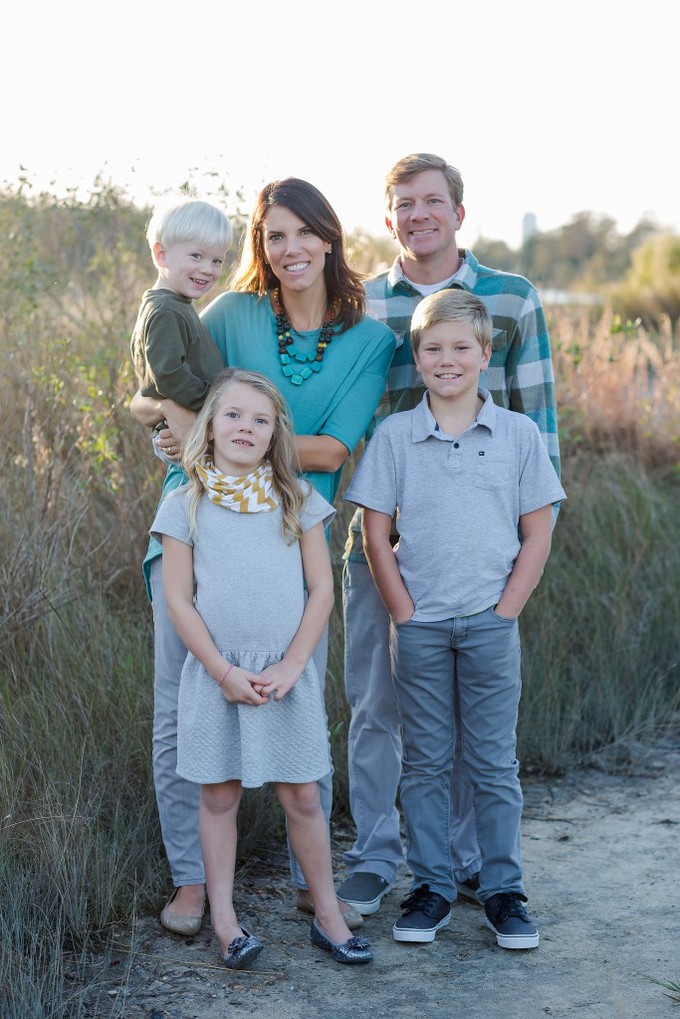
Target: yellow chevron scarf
pixel 253 493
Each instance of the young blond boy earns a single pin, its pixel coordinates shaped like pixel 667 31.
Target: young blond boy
pixel 473 487
pixel 173 354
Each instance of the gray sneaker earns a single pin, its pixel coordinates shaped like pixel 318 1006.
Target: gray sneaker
pixel 363 891
pixel 508 919
pixel 424 913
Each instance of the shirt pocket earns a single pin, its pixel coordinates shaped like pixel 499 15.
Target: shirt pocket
pixel 499 339
pixel 492 473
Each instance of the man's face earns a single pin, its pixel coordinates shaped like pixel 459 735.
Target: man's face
pixel 422 217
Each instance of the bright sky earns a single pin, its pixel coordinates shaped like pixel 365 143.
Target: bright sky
pixel 544 106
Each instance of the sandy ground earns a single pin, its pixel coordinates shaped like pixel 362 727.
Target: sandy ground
pixel 602 866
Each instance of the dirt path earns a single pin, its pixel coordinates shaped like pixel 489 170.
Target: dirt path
pixel 602 866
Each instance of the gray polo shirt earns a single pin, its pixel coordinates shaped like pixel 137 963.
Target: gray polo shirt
pixel 459 500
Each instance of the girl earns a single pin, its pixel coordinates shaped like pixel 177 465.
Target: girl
pixel 240 543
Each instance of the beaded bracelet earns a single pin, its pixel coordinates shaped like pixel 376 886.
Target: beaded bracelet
pixel 225 675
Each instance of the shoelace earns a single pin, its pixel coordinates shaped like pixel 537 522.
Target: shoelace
pixel 511 905
pixel 420 898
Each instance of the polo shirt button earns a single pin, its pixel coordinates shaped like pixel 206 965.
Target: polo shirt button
pixel 456 445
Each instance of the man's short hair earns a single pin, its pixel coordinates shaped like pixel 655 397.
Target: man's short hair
pixel 409 166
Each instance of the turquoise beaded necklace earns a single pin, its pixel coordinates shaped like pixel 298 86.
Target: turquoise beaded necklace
pixel 295 365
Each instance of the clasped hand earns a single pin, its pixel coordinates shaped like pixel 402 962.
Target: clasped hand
pixel 167 446
pixel 244 687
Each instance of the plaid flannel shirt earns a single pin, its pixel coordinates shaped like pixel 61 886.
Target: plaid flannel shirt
pixel 520 373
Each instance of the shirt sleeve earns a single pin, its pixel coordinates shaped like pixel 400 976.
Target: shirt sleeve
pixel 529 368
pixel 167 366
pixel 171 518
pixel 538 483
pixel 351 415
pixel 315 510
pixel 374 482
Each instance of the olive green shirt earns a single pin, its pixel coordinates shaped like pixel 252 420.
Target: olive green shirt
pixel 174 355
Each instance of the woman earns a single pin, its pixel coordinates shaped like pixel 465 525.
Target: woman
pixel 297 315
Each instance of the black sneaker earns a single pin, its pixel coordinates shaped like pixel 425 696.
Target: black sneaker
pixel 508 919
pixel 363 891
pixel 468 888
pixel 425 912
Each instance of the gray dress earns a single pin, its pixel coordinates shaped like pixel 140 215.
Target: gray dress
pixel 250 594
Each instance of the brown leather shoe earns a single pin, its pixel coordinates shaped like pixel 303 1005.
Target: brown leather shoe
pixel 188 926
pixel 352 918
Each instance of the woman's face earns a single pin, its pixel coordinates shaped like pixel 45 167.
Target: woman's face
pixel 296 254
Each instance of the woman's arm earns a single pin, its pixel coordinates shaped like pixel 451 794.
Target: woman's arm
pixel 353 411
pixel 320 453
pixel 178 583
pixel 282 676
pixel 536 534
pixel 383 565
pixel 149 411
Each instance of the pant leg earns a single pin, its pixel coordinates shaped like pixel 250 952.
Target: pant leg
pixel 320 659
pixel 374 739
pixel 465 852
pixel 177 798
pixel 489 682
pixel 423 665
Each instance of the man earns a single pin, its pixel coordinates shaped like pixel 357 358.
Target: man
pixel 424 211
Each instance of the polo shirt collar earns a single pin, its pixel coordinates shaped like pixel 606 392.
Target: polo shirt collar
pixel 424 424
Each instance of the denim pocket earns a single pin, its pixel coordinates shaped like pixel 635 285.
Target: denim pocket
pixel 503 619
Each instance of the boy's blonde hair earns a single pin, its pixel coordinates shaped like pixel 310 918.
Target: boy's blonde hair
pixel 451 306
pixel 188 219
pixel 409 166
pixel 281 455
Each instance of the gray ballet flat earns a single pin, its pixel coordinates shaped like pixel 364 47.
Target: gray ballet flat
pixel 242 951
pixel 354 950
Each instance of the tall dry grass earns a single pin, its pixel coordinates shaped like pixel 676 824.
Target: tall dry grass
pixel 618 388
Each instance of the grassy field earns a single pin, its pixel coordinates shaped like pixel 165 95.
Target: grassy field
pixel 79 840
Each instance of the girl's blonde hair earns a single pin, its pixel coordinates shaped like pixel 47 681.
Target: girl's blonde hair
pixel 281 454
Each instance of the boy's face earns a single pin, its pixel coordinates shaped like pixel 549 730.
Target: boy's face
pixel 450 359
pixel 422 218
pixel 188 268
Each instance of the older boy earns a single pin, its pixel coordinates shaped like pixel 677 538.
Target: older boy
pixel 424 211
pixel 173 354
pixel 473 486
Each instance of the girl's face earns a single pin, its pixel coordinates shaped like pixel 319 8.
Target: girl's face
pixel 295 253
pixel 241 429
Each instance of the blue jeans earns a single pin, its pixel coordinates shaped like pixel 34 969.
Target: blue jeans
pixel 374 743
pixel 474 662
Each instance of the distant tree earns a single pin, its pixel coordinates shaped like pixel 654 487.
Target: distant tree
pixel 586 254
pixel 651 287
pixel 497 254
